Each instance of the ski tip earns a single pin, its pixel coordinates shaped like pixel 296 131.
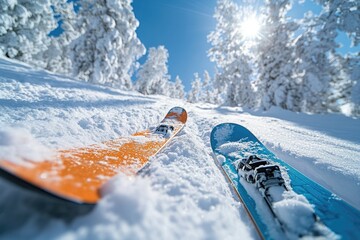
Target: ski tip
pixel 177 113
pixel 229 132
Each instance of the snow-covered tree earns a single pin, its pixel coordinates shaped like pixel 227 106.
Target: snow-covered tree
pixel 275 57
pixel 174 89
pixel 302 74
pixel 344 96
pixel 169 89
pixel 152 77
pixel 348 21
pixel 107 51
pixel 206 93
pixel 355 76
pixel 230 53
pixel 339 93
pixel 218 88
pixel 194 94
pixel 179 91
pixel 323 75
pixel 343 15
pixel 312 72
pixel 222 42
pixel 24 29
pixel 340 16
pixel 240 91
pixel 57 56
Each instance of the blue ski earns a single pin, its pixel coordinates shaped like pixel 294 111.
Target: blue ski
pixel 254 173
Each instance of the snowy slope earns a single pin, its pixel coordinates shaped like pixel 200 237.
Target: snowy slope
pixel 183 195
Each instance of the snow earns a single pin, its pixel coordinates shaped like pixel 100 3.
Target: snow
pixel 297 215
pixel 18 144
pixel 181 194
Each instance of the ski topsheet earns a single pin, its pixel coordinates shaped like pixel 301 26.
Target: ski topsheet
pixel 286 214
pixel 77 174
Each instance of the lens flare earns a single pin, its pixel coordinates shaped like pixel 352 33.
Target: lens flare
pixel 250 27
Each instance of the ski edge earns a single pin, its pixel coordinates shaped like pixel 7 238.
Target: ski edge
pixel 237 194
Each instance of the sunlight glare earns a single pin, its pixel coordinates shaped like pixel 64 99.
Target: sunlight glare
pixel 250 27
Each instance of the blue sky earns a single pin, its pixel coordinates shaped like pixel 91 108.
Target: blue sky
pixel 182 27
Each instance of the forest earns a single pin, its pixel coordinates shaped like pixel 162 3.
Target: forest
pixel 294 64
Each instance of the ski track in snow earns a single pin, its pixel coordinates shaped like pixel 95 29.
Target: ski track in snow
pixel 181 194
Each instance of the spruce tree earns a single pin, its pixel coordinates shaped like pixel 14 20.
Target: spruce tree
pixel 107 51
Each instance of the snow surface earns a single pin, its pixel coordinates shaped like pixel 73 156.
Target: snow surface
pixel 182 194
pixel 18 144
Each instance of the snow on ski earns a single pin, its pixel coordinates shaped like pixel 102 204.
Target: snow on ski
pixel 78 174
pixel 280 201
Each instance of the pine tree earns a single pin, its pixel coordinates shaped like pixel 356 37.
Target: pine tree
pixel 24 29
pixel 57 56
pixel 206 88
pixel 229 52
pixel 169 89
pixel 179 88
pixel 107 51
pixel 339 96
pixel 354 66
pixel 219 87
pixel 275 57
pixel 323 74
pixel 345 15
pixel 194 94
pixel 152 77
pixel 312 72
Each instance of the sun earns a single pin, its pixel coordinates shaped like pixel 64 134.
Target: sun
pixel 250 27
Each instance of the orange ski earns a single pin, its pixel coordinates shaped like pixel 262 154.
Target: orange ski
pixel 78 174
